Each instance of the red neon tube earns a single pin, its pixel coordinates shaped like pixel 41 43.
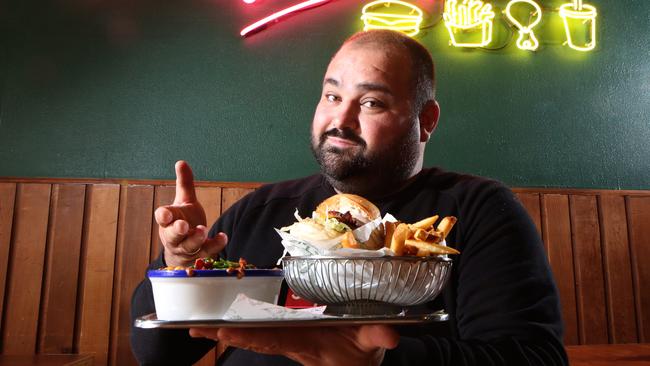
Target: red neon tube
pixel 263 23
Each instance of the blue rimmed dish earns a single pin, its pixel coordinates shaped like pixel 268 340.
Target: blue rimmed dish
pixel 207 294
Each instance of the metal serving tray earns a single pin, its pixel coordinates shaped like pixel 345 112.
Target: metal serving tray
pixel 151 321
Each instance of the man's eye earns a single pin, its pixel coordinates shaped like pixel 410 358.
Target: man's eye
pixel 372 104
pixel 331 98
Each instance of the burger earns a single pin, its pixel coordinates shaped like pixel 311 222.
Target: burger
pixel 335 218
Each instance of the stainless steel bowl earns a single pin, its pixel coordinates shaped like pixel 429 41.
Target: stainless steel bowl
pixel 367 285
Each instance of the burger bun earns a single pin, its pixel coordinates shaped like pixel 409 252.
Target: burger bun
pixel 360 208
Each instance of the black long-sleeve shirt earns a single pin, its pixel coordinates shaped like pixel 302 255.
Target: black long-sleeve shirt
pixel 501 299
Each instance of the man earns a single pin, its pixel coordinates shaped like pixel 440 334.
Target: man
pixel 374 118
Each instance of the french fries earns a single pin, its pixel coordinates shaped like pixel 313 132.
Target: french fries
pixel 428 247
pixel 390 229
pixel 349 241
pixel 446 224
pixel 420 238
pixel 425 223
pixel 402 232
pixel 375 241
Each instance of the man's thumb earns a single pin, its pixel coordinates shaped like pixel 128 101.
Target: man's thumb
pixel 377 336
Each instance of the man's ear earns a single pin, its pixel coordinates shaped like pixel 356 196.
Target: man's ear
pixel 429 119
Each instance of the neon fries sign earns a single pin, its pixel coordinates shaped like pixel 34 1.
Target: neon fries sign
pixel 469 22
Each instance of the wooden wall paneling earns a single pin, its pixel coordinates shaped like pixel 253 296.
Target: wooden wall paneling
pixel 530 201
pixel 638 213
pixel 588 264
pixel 59 295
pixel 163 195
pixel 95 292
pixel 7 200
pixel 132 257
pixel 621 313
pixel 557 235
pixel 26 261
pixel 231 195
pixel 210 198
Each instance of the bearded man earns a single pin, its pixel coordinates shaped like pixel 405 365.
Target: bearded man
pixel 375 115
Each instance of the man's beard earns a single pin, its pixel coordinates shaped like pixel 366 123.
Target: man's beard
pixel 356 170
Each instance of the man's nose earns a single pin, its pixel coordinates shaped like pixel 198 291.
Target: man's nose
pixel 346 116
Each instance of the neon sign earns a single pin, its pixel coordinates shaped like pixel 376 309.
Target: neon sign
pixel 395 15
pixel 469 23
pixel 263 23
pixel 527 39
pixel 580 25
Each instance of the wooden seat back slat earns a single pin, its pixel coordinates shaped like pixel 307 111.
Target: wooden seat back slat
pixel 638 214
pixel 59 295
pixel 95 299
pixel 7 199
pixel 556 233
pixel 590 281
pixel 132 257
pixel 621 314
pixel 25 269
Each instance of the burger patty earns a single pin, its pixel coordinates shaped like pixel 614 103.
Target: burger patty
pixel 345 218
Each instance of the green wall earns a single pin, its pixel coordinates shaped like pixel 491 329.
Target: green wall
pixel 122 89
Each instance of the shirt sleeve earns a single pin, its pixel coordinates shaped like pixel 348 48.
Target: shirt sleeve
pixel 505 305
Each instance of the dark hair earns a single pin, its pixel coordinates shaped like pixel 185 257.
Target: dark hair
pixel 423 70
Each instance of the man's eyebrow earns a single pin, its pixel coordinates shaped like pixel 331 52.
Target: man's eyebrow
pixel 331 81
pixel 375 87
pixel 363 86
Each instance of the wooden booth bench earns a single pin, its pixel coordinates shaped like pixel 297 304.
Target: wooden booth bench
pixel 72 251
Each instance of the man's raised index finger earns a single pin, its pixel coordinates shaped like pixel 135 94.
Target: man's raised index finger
pixel 184 183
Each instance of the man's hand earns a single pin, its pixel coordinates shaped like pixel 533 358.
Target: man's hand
pixel 181 225
pixel 336 346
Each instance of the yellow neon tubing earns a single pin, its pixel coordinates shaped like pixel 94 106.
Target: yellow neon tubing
pixel 532 43
pixel 469 16
pixel 584 12
pixel 406 21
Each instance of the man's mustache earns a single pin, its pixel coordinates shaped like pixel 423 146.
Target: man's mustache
pixel 345 133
